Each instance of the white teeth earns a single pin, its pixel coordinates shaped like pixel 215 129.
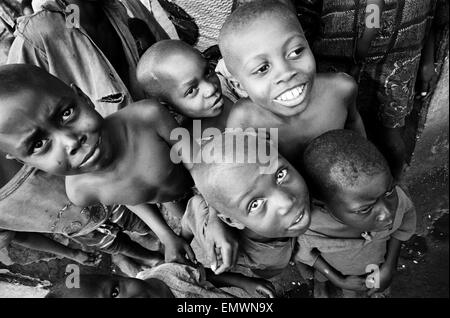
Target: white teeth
pixel 291 94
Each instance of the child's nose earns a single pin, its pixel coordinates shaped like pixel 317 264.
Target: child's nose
pixel 210 89
pixel 285 201
pixel 385 215
pixel 72 142
pixel 285 73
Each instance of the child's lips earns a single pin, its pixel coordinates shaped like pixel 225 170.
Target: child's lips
pixel 92 155
pixel 300 220
pixel 293 96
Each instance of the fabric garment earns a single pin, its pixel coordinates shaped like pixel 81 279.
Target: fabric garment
pixel 47 40
pixel 184 281
pixel 350 252
pixel 265 259
pixel 389 71
pixel 34 201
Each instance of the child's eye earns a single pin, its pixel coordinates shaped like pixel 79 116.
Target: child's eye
pixel 281 174
pixel 255 205
pixel 390 192
pixel 115 292
pixel 66 114
pixel 365 210
pixel 38 146
pixel 295 53
pixel 191 91
pixel 263 69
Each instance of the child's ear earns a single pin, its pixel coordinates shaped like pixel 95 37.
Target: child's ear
pixel 81 94
pixel 231 222
pixel 9 157
pixel 237 87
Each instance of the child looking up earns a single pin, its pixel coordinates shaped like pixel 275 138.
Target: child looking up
pixel 266 201
pixel 360 215
pixel 120 159
pixel 266 52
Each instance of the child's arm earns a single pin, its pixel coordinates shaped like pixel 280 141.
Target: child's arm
pixel 336 278
pixel 39 242
pixel 223 247
pixel 389 267
pixel 427 72
pixel 252 286
pixel 349 91
pixel 175 248
pixel 363 43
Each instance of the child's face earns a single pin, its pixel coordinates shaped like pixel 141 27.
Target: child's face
pixel 194 88
pixel 370 206
pixel 102 286
pixel 273 63
pixel 56 132
pixel 272 205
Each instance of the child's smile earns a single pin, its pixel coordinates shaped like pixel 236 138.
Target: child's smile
pixel 273 63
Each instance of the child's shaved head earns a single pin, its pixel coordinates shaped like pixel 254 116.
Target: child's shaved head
pixel 179 76
pixel 16 78
pixel 151 67
pixel 341 159
pixel 232 152
pixel 245 16
pixel 272 202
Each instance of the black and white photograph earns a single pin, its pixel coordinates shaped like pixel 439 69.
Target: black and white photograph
pixel 241 150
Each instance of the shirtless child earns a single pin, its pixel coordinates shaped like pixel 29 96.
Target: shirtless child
pixel 178 76
pixel 122 159
pixel 265 50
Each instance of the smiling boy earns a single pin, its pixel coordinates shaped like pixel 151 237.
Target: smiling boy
pixel 360 217
pixel 266 52
pixel 269 210
pixel 122 159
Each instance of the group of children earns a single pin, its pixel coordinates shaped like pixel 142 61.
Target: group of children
pixel 329 200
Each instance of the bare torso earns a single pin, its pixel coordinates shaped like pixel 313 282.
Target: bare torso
pixel 327 110
pixel 143 173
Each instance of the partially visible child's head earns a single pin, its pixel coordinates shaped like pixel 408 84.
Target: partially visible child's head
pixel 47 124
pixel 352 178
pixel 178 75
pixel 265 50
pixel 110 286
pixel 272 202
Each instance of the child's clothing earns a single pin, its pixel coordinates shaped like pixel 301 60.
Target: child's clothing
pixel 184 281
pixel 266 259
pixel 34 201
pixel 388 73
pixel 44 39
pixel 349 253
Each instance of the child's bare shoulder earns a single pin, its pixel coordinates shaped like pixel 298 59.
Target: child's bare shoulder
pixel 339 84
pixel 243 113
pixel 79 192
pixel 148 110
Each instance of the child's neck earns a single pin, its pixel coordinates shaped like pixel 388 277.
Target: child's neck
pixel 114 133
pixel 259 238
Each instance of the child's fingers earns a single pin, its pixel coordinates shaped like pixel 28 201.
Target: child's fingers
pixel 190 254
pixel 226 252
pixel 211 254
pixel 265 291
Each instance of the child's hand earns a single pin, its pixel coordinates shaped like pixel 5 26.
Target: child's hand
pixel 427 79
pixel 258 286
pixel 386 275
pixel 352 282
pixel 176 249
pixel 89 259
pixel 222 248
